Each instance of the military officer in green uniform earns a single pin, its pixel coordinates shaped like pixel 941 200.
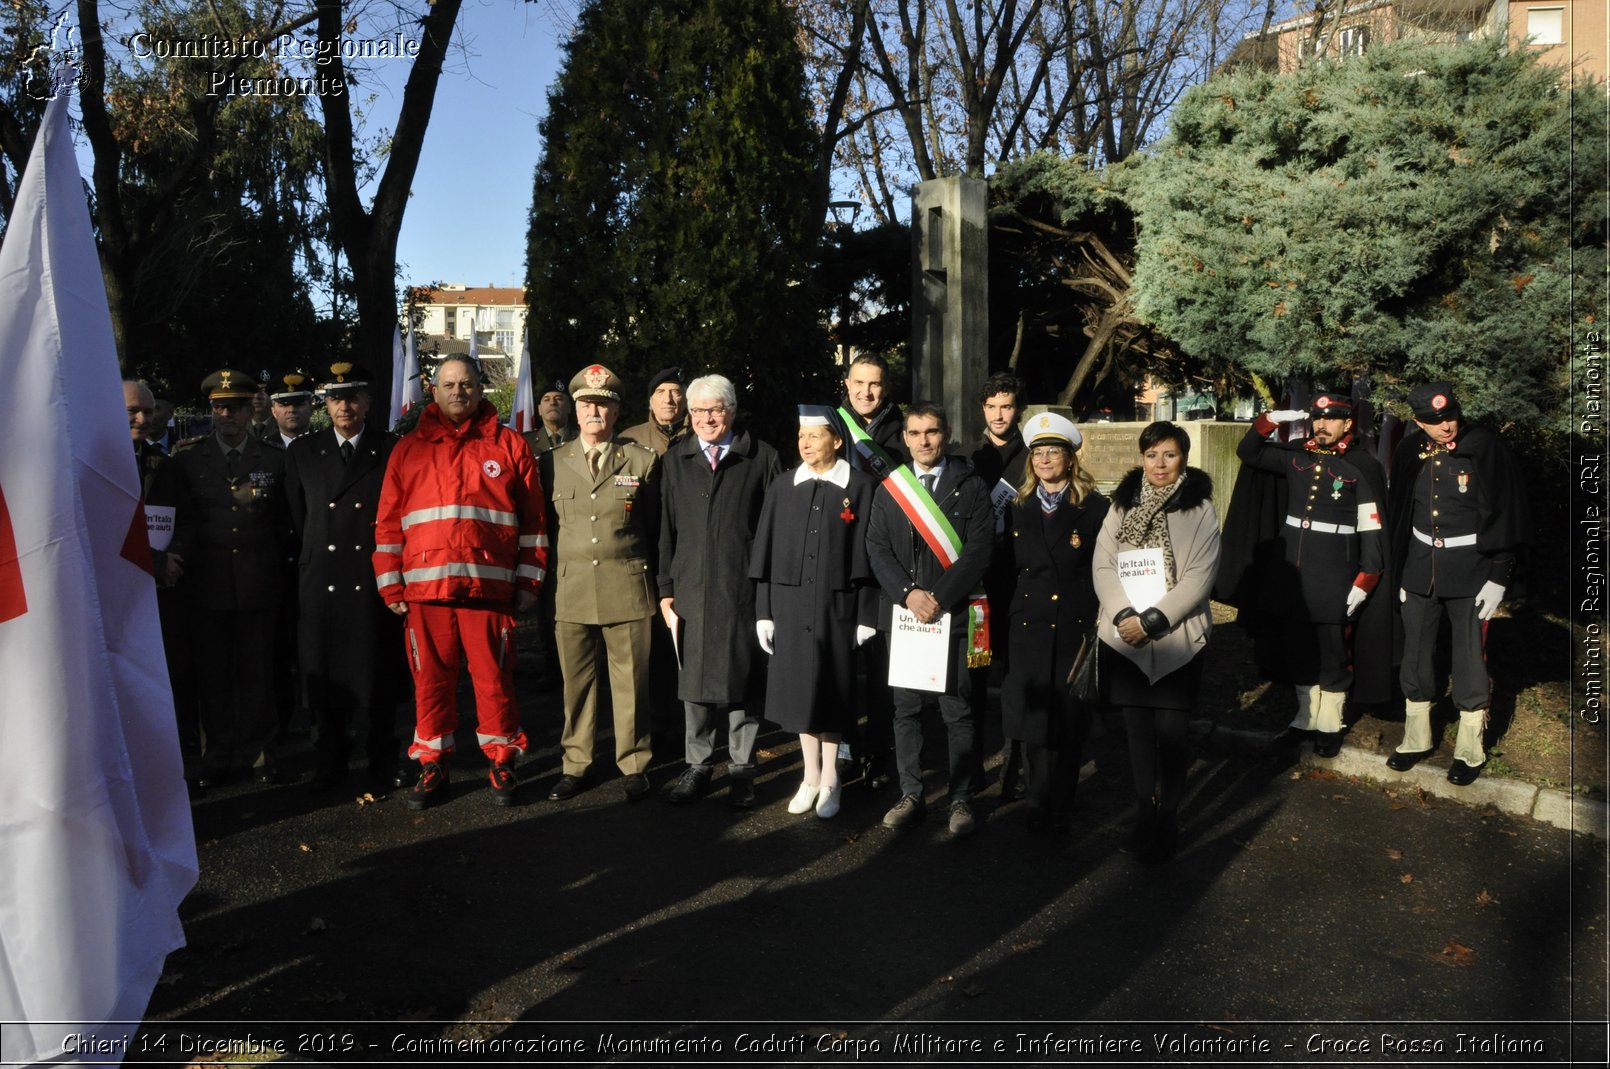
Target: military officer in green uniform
pixel 231 531
pixel 603 521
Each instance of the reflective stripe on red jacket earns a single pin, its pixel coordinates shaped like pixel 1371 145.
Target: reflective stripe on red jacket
pixel 461 515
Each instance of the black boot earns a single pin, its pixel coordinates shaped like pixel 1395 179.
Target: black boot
pixel 1166 840
pixel 1012 785
pixel 1144 834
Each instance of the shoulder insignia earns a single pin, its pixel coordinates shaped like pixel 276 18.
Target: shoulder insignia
pixel 188 442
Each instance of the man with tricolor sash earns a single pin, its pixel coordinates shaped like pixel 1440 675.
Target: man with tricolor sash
pixel 929 544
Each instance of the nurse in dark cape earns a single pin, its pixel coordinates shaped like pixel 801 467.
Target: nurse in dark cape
pixel 815 601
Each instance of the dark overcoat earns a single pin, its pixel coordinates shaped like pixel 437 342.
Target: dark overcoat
pixel 813 580
pixel 349 645
pixel 707 528
pixel 1053 607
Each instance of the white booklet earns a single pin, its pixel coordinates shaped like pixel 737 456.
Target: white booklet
pixel 1141 571
pixel 1000 497
pixel 159 525
pixel 919 654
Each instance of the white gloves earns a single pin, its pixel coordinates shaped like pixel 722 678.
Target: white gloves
pixel 1286 415
pixel 1487 600
pixel 765 631
pixel 1356 597
pixel 863 635
pixel 1403 595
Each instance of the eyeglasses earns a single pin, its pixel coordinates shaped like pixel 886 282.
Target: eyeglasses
pixel 1047 451
pixel 718 410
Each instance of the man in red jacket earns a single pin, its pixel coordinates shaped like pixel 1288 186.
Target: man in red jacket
pixel 460 545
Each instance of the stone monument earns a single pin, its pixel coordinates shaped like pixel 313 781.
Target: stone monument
pixel 950 302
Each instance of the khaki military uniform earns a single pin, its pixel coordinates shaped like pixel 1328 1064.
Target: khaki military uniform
pixel 603 530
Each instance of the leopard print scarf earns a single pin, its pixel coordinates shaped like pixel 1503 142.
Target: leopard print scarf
pixel 1146 525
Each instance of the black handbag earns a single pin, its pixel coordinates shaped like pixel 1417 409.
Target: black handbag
pixel 1084 681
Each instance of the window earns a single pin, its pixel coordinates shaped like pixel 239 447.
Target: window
pixel 1353 40
pixel 452 322
pixel 1546 25
pixel 505 319
pixel 504 340
pixel 1310 48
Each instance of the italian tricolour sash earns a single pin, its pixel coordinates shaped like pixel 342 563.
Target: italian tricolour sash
pixel 929 521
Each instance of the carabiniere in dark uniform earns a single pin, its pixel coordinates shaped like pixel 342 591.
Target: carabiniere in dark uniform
pixel 1459 513
pixel 1332 553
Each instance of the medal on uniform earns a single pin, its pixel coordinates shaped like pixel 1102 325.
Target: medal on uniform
pixel 1336 489
pixel 847 516
pixel 1464 482
pixel 1074 540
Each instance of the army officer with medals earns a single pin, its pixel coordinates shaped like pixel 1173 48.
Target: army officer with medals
pixel 603 523
pixel 231 531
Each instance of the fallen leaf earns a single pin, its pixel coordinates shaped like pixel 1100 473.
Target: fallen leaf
pixel 367 844
pixel 1395 855
pixel 947 980
pixel 1294 838
pixel 1456 954
pixel 571 962
pixel 1023 948
pixel 851 836
pixel 1296 774
pixel 304 847
pixel 1391 793
pixel 1407 877
pixel 1321 773
pixel 1484 898
pixel 1400 805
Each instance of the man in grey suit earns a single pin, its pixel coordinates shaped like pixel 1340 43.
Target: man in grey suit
pixel 603 517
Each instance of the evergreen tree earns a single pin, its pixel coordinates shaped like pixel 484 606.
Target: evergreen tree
pixel 671 221
pixel 1416 212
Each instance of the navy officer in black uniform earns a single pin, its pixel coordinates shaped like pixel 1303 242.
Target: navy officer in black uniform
pixel 1459 514
pixel 348 642
pixel 1331 553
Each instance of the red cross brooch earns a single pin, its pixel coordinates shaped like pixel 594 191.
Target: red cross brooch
pixel 847 516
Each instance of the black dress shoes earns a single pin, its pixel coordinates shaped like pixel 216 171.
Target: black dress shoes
pixel 636 787
pixel 689 786
pixel 325 780
pixel 565 788
pixel 1289 738
pixel 1463 775
pixel 1327 743
pixel 213 777
pixel 741 795
pixel 1399 761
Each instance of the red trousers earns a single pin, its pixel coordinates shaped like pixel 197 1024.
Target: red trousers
pixel 441 640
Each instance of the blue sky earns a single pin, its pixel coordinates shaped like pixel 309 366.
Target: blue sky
pixel 472 193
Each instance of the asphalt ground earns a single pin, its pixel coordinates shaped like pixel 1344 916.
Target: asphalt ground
pixel 1309 918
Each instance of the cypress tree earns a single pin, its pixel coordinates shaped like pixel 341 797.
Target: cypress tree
pixel 670 222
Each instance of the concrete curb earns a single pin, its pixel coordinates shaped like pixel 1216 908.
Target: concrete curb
pixel 1584 816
